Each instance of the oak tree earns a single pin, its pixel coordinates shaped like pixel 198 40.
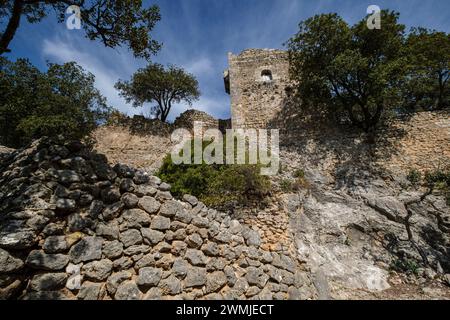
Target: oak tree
pixel 163 86
pixel 114 23
pixel 351 70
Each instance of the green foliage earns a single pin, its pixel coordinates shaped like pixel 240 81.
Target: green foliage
pixel 427 86
pixel 61 101
pixel 299 173
pixel 352 71
pixel 292 185
pixel 405 266
pixel 116 118
pixel 216 185
pixel 414 177
pixel 114 23
pixel 440 180
pixel 162 86
pixel 286 185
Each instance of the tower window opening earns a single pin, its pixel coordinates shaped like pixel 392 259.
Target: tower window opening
pixel 266 75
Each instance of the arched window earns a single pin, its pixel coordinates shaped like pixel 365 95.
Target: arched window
pixel 266 75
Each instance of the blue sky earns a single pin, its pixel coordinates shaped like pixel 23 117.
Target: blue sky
pixel 198 34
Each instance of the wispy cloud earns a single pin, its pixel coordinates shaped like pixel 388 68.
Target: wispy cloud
pixel 63 49
pixel 197 34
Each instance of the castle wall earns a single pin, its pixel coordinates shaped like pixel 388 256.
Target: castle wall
pixel 255 99
pixel 422 142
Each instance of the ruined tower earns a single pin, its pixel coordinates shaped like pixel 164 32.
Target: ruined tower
pixel 257 81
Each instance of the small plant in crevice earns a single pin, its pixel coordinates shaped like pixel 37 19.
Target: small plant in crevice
pixel 414 176
pixel 286 185
pixel 439 180
pixel 405 266
pixel 299 173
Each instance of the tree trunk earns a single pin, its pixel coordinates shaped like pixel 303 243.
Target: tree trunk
pixel 12 26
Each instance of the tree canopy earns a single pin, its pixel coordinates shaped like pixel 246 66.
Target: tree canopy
pixel 353 71
pixel 427 84
pixel 62 100
pixel 114 23
pixel 163 86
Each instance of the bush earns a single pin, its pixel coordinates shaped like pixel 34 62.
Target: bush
pixel 299 173
pixel 405 266
pixel 215 185
pixel 286 185
pixel 440 179
pixel 414 177
pixel 292 185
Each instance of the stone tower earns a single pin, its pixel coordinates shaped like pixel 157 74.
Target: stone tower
pixel 257 81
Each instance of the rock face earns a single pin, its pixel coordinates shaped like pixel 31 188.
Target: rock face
pixel 72 227
pixel 350 230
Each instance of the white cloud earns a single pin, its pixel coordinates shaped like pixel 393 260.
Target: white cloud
pixel 203 67
pixel 63 49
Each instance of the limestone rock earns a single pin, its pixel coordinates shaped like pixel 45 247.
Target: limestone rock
pixel 48 281
pixel 112 211
pixel 215 281
pixel 75 277
pixel 131 237
pixel 122 263
pixel 109 231
pixel 18 240
pixel 170 286
pixel 149 204
pixel 149 277
pixel 153 236
pixel 113 249
pixel 141 177
pixel 116 279
pixel 160 223
pixel 37 259
pixel 195 257
pixel 190 199
pixel 97 270
pixel 195 277
pixel 136 218
pixel 194 241
pixel 180 268
pixel 252 238
pixel 87 249
pixel 55 244
pixel 8 263
pixel 91 291
pixel 126 185
pixel 130 200
pixel 210 248
pixel 128 290
pixel 170 208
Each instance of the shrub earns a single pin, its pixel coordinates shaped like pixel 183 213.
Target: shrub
pixel 216 185
pixel 292 185
pixel 286 185
pixel 405 266
pixel 414 177
pixel 299 173
pixel 440 179
pixel 117 118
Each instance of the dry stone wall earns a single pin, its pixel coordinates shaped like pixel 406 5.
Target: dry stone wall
pixel 72 227
pixel 421 142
